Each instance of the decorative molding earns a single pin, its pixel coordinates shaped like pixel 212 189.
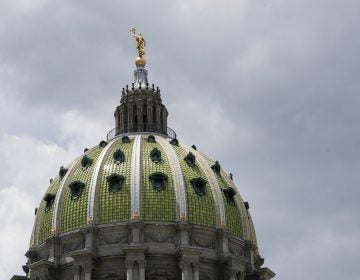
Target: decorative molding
pixel 60 194
pixel 135 178
pixel 203 242
pixel 93 183
pixel 72 246
pixel 236 251
pixel 113 238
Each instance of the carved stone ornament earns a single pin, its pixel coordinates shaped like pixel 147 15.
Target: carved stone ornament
pixel 234 250
pixel 203 242
pixel 159 237
pixel 113 238
pixel 72 246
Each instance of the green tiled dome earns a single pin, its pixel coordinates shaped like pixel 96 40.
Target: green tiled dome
pixel 149 179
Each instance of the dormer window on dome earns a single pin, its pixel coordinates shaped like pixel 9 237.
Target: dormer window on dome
pixel 174 142
pixel 190 159
pixel 49 200
pixel 151 139
pixel 86 161
pixel 246 204
pixel 199 186
pixel 76 189
pixel 216 167
pixel 229 195
pixel 119 156
pixel 102 144
pixel 62 172
pixel 125 139
pixel 115 182
pixel 158 181
pixel 155 155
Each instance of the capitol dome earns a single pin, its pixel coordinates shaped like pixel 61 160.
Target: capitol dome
pixel 142 205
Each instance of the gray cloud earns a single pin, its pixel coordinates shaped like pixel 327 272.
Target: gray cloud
pixel 269 88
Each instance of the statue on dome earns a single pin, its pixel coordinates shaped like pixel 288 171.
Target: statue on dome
pixel 140 42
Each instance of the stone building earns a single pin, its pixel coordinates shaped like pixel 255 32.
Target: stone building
pixel 142 205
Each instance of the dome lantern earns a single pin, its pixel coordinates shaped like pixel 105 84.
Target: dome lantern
pixel 141 108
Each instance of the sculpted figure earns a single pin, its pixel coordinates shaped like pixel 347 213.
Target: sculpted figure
pixel 140 42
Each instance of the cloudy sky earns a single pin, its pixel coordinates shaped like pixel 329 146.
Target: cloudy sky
pixel 270 88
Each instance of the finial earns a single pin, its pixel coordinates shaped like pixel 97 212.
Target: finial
pixel 140 45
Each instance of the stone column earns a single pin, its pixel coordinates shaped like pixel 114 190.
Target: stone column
pixel 142 265
pixel 129 270
pixel 185 270
pixel 76 272
pixel 130 118
pixel 140 126
pixel 150 116
pixel 233 274
pixel 135 254
pixel 88 270
pixel 195 271
pixel 158 118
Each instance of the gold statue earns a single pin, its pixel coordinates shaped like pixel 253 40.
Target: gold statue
pixel 140 45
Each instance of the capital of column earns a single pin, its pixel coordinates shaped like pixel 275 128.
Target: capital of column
pixel 129 263
pixel 184 265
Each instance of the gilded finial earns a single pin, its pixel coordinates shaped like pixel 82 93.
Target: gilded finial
pixel 140 45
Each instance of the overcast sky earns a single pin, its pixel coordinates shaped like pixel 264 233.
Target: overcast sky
pixel 270 88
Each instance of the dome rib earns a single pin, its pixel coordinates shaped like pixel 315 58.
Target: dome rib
pixel 178 178
pixel 216 191
pixel 59 195
pixel 136 178
pixel 94 182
